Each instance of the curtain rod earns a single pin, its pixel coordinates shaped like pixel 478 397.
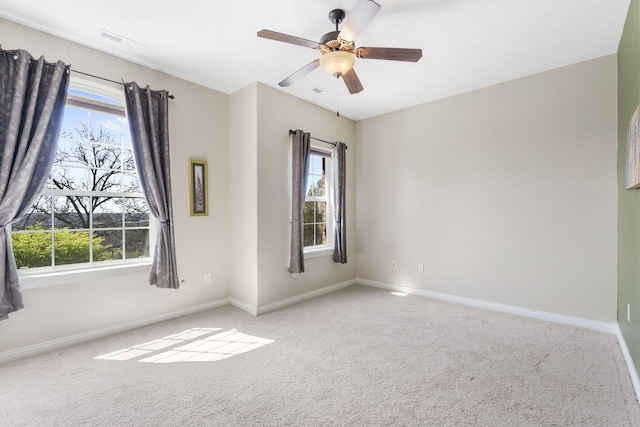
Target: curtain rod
pixel 107 80
pixel 291 132
pixel 79 72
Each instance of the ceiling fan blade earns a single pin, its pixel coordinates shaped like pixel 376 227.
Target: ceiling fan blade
pixel 389 53
pixel 359 17
pixel 300 73
pixel 352 81
pixel 268 34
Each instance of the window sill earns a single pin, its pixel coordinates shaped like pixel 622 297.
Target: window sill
pixel 43 279
pixel 318 252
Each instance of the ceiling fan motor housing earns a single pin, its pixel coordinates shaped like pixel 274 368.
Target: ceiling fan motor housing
pixel 330 41
pixel 329 37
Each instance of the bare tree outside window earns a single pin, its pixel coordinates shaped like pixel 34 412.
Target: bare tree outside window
pixel 92 209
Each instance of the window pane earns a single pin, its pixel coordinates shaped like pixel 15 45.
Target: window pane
pixel 74 124
pixel 308 214
pixel 136 212
pixel 71 247
pixel 49 185
pixel 79 92
pixel 315 185
pixel 105 156
pixel 308 235
pixel 320 211
pixel 71 212
pixel 32 249
pixel 321 234
pixel 309 190
pixel 126 133
pixel 107 180
pixel 71 153
pixel 137 243
pixel 38 217
pixel 70 178
pixel 80 154
pixel 107 212
pixel 103 98
pixel 107 245
pixel 105 128
pixel 130 183
pixel 126 158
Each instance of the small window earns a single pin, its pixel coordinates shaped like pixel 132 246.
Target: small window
pixel 318 212
pixel 92 209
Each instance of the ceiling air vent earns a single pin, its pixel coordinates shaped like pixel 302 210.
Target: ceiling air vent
pixel 110 36
pixel 115 38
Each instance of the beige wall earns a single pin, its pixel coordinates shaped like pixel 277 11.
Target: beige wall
pixel 199 128
pixel 261 195
pixel 277 113
pixel 506 194
pixel 244 195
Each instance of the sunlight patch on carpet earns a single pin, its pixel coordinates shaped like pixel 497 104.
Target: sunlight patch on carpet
pixel 192 345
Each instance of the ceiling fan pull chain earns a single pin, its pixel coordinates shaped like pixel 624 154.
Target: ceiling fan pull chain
pixel 337 96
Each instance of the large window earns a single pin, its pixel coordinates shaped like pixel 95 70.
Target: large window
pixel 317 213
pixel 92 209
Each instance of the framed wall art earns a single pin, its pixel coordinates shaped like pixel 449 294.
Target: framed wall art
pixel 633 152
pixel 198 188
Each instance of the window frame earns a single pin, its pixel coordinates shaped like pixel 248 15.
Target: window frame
pixel 37 277
pixel 327 248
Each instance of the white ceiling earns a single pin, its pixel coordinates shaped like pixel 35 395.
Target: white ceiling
pixel 466 44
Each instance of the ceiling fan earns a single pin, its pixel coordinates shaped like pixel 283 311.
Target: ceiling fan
pixel 338 47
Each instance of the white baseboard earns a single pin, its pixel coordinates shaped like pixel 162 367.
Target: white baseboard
pixel 302 297
pixel 35 349
pixel 631 367
pixel 536 314
pixel 251 309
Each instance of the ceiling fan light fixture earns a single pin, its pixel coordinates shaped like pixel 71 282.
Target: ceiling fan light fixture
pixel 338 62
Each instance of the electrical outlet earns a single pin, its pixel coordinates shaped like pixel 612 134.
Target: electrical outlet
pixel 207 277
pixel 628 312
pixel 183 281
pixel 394 264
pixel 421 268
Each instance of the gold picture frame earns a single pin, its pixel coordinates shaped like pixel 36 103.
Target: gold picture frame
pixel 633 152
pixel 198 188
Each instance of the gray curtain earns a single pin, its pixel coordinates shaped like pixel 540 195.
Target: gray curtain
pixel 339 202
pixel 33 94
pixel 300 167
pixel 147 112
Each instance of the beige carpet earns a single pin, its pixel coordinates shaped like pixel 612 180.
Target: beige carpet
pixel 356 357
